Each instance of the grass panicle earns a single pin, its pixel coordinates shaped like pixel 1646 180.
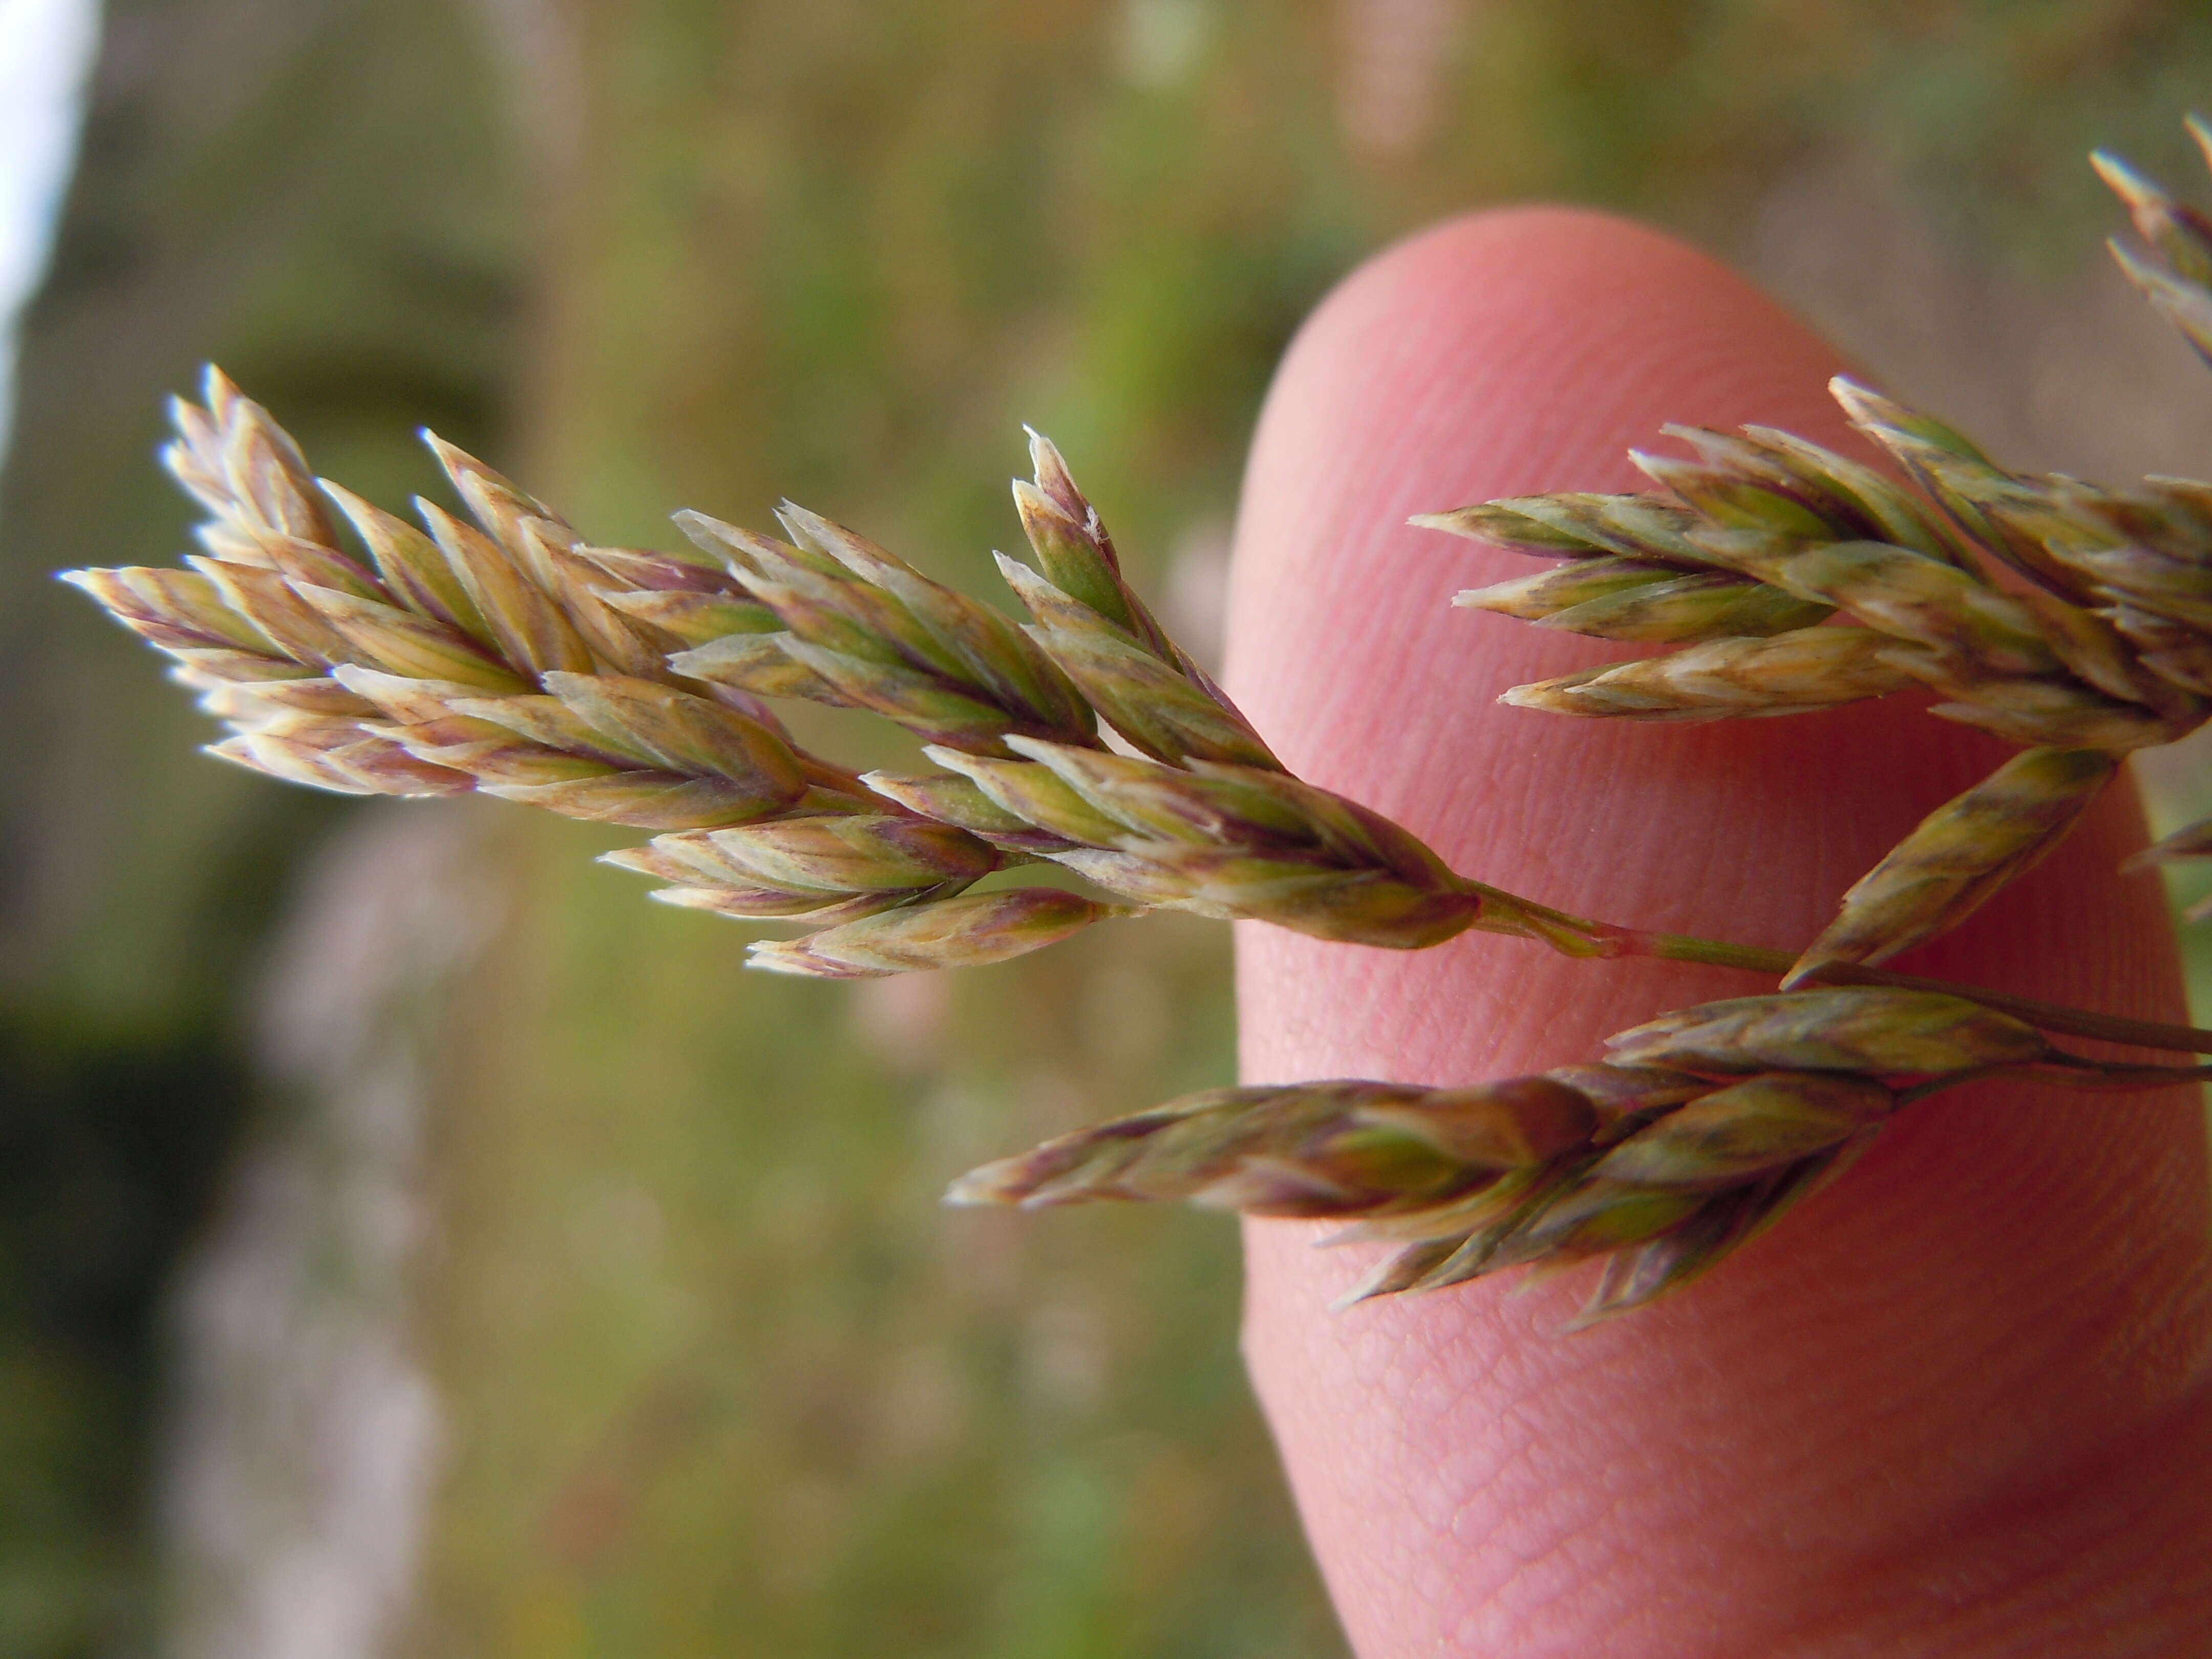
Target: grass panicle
pixel 496 650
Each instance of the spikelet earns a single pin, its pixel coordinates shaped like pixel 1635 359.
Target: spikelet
pixel 827 868
pixel 1863 1029
pixel 864 629
pixel 1231 841
pixel 1960 855
pixel 1619 598
pixel 1798 673
pixel 2179 284
pixel 971 931
pixel 1091 622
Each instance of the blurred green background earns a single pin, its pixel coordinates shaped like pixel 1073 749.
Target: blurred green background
pixel 410 1242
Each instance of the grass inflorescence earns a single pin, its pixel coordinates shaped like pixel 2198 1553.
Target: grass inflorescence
pixel 502 652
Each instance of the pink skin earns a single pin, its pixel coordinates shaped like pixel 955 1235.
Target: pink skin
pixel 1956 1405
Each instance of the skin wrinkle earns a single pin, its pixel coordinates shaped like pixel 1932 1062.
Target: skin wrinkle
pixel 1962 1316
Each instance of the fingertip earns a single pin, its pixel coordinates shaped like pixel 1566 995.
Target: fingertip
pixel 1940 1310
pixel 1493 354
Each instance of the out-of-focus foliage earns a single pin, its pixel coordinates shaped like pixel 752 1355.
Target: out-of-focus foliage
pixel 718 1376
pixel 107 1142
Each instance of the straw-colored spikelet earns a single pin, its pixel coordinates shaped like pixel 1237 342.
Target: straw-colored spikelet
pixel 860 628
pixel 1227 841
pixel 1799 673
pixel 825 869
pixel 1619 598
pixel 1092 622
pixel 970 932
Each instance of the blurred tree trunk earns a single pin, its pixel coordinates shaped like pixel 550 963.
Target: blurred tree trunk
pixel 234 199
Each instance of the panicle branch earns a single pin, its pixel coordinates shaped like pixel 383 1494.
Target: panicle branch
pixel 1692 1135
pixel 2072 620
